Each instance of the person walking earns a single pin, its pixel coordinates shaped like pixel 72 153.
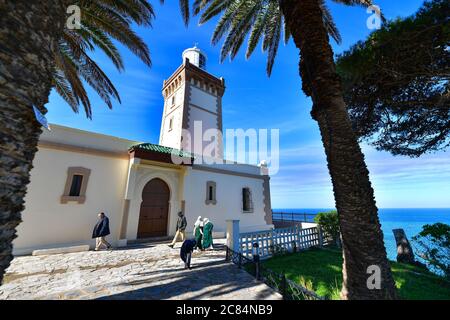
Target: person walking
pixel 198 232
pixel 181 229
pixel 186 252
pixel 207 234
pixel 101 230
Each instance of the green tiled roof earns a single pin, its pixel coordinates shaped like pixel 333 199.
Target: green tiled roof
pixel 161 149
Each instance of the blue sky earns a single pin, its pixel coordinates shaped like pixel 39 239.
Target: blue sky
pixel 252 100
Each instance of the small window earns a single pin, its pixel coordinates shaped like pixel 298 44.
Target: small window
pixel 75 188
pixel 173 101
pixel 210 192
pixel 202 62
pixel 76 185
pixel 170 124
pixel 247 203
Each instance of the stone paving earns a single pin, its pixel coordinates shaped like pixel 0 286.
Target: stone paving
pixel 143 272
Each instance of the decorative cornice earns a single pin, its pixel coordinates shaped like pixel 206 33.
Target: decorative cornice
pixel 227 172
pixel 267 200
pixel 191 70
pixel 167 82
pixel 187 98
pixel 78 149
pixel 220 125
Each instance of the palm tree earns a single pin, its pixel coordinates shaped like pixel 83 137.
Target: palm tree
pixel 310 24
pixel 37 54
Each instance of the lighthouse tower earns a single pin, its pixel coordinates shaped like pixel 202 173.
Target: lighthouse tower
pixel 193 106
pixel 195 57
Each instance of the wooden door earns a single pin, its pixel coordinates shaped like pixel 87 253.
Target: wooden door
pixel 154 210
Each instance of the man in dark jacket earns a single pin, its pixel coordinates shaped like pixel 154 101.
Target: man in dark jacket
pixel 186 252
pixel 181 229
pixel 101 230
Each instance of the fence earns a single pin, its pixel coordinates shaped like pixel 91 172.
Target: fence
pixel 289 289
pixel 274 241
pixel 293 217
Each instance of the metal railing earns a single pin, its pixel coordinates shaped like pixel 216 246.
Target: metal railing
pixel 289 289
pixel 293 216
pixel 288 239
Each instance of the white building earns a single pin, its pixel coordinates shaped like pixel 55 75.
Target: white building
pixel 139 186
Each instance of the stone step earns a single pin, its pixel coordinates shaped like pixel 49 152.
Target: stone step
pixel 44 252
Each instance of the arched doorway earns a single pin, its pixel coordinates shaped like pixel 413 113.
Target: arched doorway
pixel 154 210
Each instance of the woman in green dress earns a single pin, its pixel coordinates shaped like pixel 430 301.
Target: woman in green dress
pixel 198 232
pixel 207 233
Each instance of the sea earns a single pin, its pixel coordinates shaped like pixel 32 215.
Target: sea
pixel 409 219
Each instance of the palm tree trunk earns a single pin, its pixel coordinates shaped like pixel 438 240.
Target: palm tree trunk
pixel 28 34
pixel 362 238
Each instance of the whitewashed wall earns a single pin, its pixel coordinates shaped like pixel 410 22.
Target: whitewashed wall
pixel 203 99
pixel 48 223
pixel 171 138
pixel 229 200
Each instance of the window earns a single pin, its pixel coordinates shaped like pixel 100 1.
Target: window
pixel 247 203
pixel 76 185
pixel 173 101
pixel 170 124
pixel 210 192
pixel 75 188
pixel 202 61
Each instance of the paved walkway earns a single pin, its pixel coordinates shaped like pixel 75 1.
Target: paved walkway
pixel 145 272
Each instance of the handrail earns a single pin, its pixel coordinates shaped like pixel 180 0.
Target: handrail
pixel 289 216
pixel 277 230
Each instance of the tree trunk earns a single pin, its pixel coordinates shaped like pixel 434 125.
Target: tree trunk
pixel 28 34
pixel 362 238
pixel 405 252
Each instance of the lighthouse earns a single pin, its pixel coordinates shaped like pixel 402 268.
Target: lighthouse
pixel 195 57
pixel 192 106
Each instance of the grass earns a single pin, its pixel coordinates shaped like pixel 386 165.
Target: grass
pixel 323 268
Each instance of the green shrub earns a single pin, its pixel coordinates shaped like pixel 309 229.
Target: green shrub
pixel 329 222
pixel 433 245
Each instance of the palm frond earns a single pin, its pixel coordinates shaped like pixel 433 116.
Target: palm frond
pixel 240 18
pixel 64 89
pixel 260 20
pixel 184 7
pixel 272 36
pixel 199 5
pixel 241 25
pixel 66 66
pixel 364 3
pixel 117 29
pixel 257 32
pixel 214 8
pixel 102 21
pixel 287 32
pixel 329 24
pixel 139 11
pixel 96 37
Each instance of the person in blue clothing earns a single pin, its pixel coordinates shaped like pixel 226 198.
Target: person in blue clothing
pixel 186 252
pixel 101 230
